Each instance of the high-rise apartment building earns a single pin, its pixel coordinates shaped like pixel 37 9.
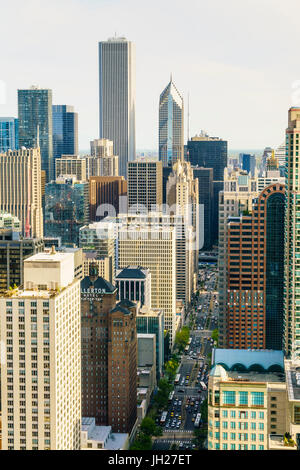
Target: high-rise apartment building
pixel 104 195
pixel 14 249
pixel 9 134
pixel 65 131
pixel 292 236
pixel 102 161
pixel 41 377
pixel 240 189
pixel 255 274
pixel 21 189
pixel 171 121
pixel 117 98
pixel 144 185
pixel 35 125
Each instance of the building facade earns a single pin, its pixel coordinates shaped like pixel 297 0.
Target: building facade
pixel 35 125
pixel 144 185
pixel 66 209
pixel 9 134
pixel 65 131
pixel 117 98
pixel 171 121
pixel 41 379
pixel 104 196
pixel 21 189
pixel 134 283
pixel 255 274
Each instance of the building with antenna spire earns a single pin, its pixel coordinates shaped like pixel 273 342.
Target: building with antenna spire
pixel 171 118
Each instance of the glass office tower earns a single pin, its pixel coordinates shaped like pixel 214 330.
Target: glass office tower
pixel 9 134
pixel 65 131
pixel 170 125
pixel 66 210
pixel 35 124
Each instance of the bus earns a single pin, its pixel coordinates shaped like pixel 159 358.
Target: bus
pixel 186 349
pixel 197 420
pixel 204 387
pixel 171 396
pixel 177 379
pixel 163 417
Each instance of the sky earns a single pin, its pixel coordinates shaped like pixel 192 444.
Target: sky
pixel 238 61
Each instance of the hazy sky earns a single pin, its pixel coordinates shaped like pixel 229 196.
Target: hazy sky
pixel 238 60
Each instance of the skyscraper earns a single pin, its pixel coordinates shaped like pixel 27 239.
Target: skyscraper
pixel 9 134
pixel 41 379
pixel 117 98
pixel 35 124
pixel 255 273
pixel 210 152
pixel 65 131
pixel 171 116
pixel 21 189
pixel 144 185
pixel 292 236
pixel 102 161
pixel 105 191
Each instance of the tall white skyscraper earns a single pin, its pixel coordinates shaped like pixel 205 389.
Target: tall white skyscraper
pixel 117 98
pixel 171 115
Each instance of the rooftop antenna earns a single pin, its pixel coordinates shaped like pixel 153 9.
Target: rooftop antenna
pixel 188 118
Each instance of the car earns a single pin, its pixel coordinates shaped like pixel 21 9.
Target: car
pixel 180 391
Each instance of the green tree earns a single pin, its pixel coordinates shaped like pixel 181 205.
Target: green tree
pixel 148 426
pixel 215 336
pixel 142 442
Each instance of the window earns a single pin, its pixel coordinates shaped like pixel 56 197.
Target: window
pixel 229 398
pixel 257 398
pixel 243 398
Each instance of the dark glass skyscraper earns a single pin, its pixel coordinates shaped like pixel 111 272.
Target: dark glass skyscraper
pixel 9 134
pixel 65 131
pixel 210 152
pixel 35 124
pixel 275 270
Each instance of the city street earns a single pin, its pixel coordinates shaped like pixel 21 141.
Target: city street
pixel 190 388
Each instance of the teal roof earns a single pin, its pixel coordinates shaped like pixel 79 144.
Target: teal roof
pixel 248 358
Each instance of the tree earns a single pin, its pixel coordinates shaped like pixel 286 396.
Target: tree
pixel 162 395
pixel 215 336
pixel 148 426
pixel 142 442
pixel 182 338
